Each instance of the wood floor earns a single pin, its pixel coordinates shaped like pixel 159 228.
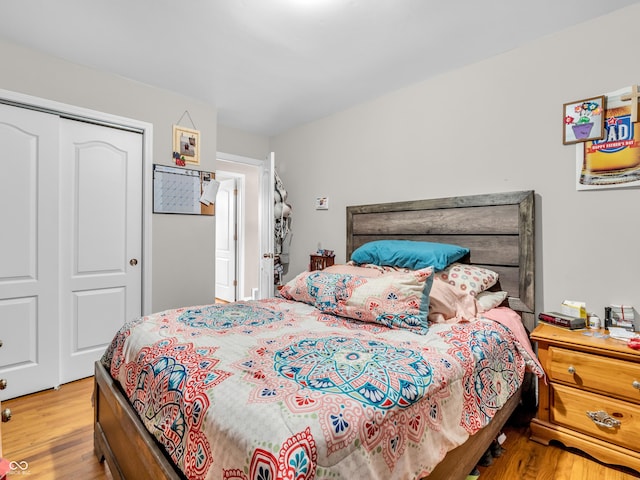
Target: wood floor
pixel 52 432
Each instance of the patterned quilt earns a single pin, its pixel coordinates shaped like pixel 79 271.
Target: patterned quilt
pixel 276 389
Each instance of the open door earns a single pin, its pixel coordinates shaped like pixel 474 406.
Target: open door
pixel 267 183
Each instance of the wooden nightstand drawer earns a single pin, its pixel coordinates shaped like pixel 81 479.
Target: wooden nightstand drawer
pixel 570 406
pixel 588 373
pixel 320 262
pixel 609 376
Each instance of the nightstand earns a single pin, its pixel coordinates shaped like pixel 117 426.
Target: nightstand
pixel 591 399
pixel 320 262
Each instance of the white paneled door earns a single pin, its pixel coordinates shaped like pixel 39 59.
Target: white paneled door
pixel 28 250
pixel 101 240
pixel 70 245
pixel 226 240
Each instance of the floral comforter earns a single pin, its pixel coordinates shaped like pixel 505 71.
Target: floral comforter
pixel 275 389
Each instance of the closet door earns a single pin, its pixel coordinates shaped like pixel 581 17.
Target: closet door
pixel 101 240
pixel 28 250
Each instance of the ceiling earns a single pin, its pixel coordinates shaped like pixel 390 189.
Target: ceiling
pixel 269 65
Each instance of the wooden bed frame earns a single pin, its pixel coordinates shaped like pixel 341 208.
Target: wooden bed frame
pixel 498 229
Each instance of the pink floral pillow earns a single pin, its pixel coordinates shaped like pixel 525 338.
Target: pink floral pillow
pixel 396 300
pixel 354 270
pixel 468 278
pixel 448 304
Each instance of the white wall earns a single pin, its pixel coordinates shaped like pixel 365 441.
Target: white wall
pixel 495 126
pixel 183 253
pixel 490 127
pixel 237 142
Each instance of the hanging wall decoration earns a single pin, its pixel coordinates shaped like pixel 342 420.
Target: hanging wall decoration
pixel 282 214
pixel 612 161
pixel 583 120
pixel 186 143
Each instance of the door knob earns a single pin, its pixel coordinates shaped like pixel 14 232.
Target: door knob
pixel 267 255
pixel 133 262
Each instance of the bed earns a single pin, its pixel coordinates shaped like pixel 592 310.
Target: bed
pixel 302 392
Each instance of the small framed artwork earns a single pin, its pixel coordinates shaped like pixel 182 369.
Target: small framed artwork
pixel 186 144
pixel 322 203
pixel 583 120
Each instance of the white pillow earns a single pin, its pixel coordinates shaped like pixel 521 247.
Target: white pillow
pixel 488 300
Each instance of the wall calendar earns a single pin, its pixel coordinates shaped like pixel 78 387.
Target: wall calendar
pixel 179 190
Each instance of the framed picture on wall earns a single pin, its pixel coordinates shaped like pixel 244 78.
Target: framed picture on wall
pixel 322 203
pixel 583 120
pixel 186 144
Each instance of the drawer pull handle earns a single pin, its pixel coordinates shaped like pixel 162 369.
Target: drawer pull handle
pixel 636 384
pixel 6 415
pixel 571 369
pixel 603 419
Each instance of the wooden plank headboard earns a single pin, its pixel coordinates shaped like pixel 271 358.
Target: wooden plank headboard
pixel 497 228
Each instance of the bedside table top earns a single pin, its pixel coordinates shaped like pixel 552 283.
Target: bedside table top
pixel 584 339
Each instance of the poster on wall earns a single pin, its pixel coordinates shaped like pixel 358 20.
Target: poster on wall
pixel 613 161
pixel 186 145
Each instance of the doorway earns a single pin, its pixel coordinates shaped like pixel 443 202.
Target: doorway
pixel 245 172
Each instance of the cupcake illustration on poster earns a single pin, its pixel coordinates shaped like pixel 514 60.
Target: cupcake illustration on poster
pixel 583 120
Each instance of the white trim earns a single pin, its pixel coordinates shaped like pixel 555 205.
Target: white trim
pixel 102 118
pixel 230 157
